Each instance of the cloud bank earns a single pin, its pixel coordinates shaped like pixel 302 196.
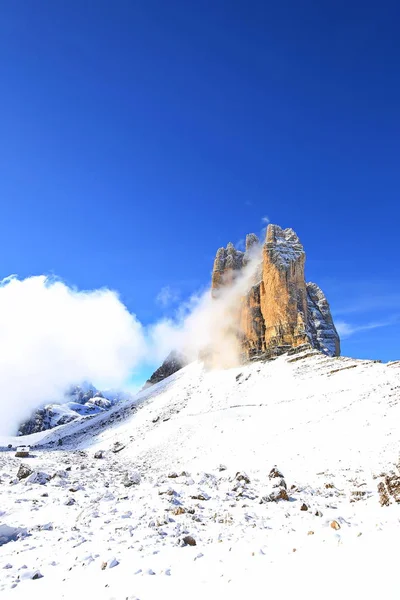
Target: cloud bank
pixel 52 336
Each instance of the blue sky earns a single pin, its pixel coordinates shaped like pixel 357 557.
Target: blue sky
pixel 138 137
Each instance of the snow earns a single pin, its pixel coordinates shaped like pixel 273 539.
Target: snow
pixel 197 451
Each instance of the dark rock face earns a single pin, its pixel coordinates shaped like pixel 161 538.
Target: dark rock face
pixel 173 363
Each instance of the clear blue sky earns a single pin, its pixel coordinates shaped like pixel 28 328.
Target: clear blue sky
pixel 139 136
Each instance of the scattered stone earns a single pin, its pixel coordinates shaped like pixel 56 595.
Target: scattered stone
pixel 310 533
pixel 22 452
pixel 9 446
pixel 389 489
pixel 24 471
pixel 188 540
pixel 329 486
pixel 275 473
pixel 304 506
pixel 275 495
pixel 156 419
pixel 7 566
pixel 240 476
pixel 39 477
pixel 132 478
pixel 30 575
pixel 11 534
pixel 75 488
pixel 201 496
pixel 184 474
pixel 98 454
pixel 118 446
pixel 70 501
pixel 318 513
pixel 335 525
pixel 68 468
pixel 222 468
pixel 173 475
pixel 178 511
pixel 168 492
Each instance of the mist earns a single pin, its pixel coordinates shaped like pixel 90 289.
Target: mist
pixel 52 336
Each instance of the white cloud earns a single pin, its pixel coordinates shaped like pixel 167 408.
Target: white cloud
pixel 53 336
pixel 167 296
pixel 345 329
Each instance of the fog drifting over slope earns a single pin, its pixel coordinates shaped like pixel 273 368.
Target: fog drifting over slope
pixel 52 336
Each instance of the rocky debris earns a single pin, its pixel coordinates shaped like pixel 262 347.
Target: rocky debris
pixel 38 477
pixel 173 363
pixel 117 447
pixel 132 478
pixel 98 454
pixel 242 477
pixel 24 471
pixel 188 540
pixel 30 575
pixel 280 311
pixel 389 489
pixel 304 507
pixel 22 452
pixel 70 501
pixel 277 489
pixel 335 525
pixel 275 473
pixel 172 475
pixel 11 534
pixel 109 564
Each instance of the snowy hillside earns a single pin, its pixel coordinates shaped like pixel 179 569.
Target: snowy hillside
pixel 171 494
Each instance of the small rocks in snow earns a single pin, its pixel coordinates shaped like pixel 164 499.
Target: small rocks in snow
pixel 7 566
pixel 335 525
pixel 240 476
pixel 304 506
pixel 222 468
pixel 188 540
pixel 274 473
pixel 178 511
pixel 118 446
pixel 200 496
pixel 98 454
pixel 24 471
pixel 39 477
pixel 173 475
pixel 318 513
pixel 132 478
pixel 109 564
pixel 310 533
pixel 276 494
pixel 30 575
pixel 70 501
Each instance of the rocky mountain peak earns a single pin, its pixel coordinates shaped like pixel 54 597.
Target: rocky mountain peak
pixel 280 310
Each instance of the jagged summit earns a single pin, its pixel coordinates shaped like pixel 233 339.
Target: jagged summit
pixel 281 310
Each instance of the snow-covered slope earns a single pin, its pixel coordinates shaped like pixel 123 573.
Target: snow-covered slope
pixel 191 456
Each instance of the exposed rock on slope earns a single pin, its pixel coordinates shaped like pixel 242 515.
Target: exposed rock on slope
pixel 281 310
pixel 173 363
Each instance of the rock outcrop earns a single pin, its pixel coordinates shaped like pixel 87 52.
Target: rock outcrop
pixel 280 310
pixel 173 363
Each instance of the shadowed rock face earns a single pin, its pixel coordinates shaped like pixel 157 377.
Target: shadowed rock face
pixel 173 363
pixel 281 310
